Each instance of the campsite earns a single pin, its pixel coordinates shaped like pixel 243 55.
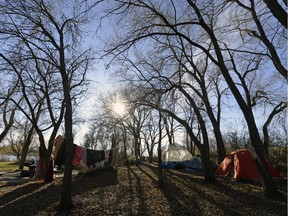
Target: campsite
pixel 143 107
pixel 116 187
pixel 133 190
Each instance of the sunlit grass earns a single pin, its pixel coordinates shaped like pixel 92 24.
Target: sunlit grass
pixel 8 166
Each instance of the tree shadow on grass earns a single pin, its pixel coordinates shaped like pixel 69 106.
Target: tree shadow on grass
pixel 123 193
pixel 147 174
pixel 19 192
pixel 142 210
pixel 180 202
pixel 30 199
pixel 220 197
pixel 34 198
pixel 94 179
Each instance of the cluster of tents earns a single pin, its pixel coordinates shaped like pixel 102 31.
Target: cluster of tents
pixel 238 165
pixel 83 158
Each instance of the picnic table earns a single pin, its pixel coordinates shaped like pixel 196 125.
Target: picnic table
pixel 31 170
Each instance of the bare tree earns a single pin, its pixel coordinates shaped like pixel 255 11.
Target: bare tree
pixel 28 135
pixel 22 140
pixel 7 107
pixel 51 37
pixel 150 133
pixel 134 123
pixel 36 86
pixel 270 37
pixel 268 184
pixel 153 21
pixel 277 109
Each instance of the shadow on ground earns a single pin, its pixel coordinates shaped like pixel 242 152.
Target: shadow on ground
pixel 33 197
pixel 133 190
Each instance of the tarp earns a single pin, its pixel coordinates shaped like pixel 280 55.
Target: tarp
pixel 241 165
pixel 83 157
pixel 196 164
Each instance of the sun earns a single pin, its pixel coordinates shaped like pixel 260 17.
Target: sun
pixel 119 108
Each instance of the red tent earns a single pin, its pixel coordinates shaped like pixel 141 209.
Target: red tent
pixel 241 165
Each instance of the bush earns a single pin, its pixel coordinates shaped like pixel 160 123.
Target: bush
pixel 278 155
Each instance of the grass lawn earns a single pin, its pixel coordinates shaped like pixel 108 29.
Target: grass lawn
pixel 8 166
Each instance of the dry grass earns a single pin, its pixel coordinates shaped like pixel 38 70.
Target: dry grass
pixel 134 191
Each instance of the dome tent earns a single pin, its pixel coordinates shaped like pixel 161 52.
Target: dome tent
pixel 176 156
pixel 240 165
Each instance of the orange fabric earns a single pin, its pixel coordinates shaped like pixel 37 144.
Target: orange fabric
pixel 41 167
pixel 225 166
pixel 244 166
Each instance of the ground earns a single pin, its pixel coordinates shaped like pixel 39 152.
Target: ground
pixel 133 190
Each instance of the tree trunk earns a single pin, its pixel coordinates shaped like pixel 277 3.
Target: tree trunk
pixel 25 148
pixel 216 129
pixel 124 144
pixel 4 133
pixel 23 156
pixel 42 166
pixel 151 154
pixel 168 131
pixel 160 173
pixel 139 147
pixel 66 199
pixel 267 181
pixel 204 148
pixel 136 148
pixel 206 164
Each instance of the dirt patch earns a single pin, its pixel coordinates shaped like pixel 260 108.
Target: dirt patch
pixel 134 191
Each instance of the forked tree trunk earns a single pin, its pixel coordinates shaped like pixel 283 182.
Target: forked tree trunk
pixel 25 148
